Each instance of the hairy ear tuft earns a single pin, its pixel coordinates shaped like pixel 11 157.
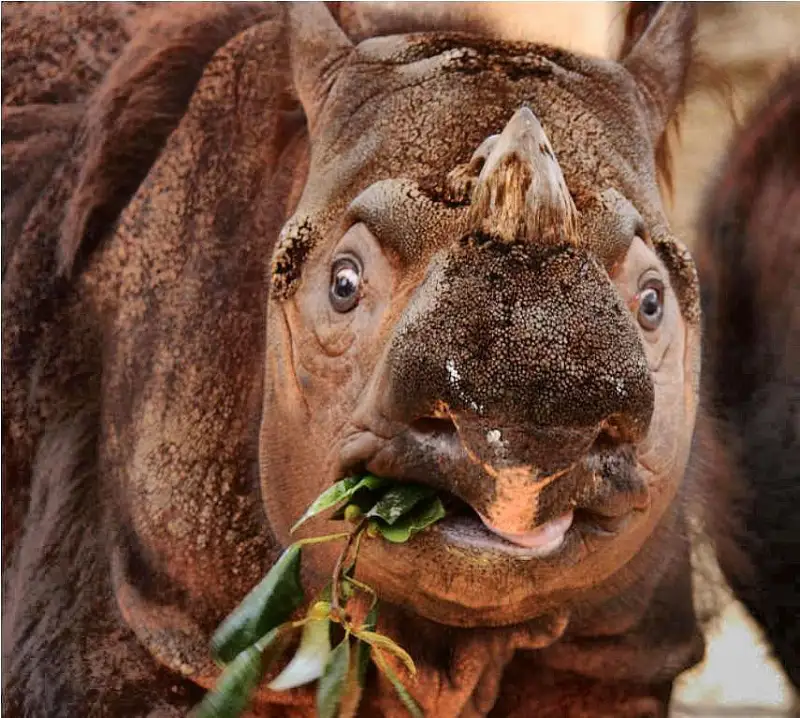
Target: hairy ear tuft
pixel 658 50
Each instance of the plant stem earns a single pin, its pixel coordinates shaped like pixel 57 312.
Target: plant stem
pixel 337 570
pixel 365 589
pixel 322 539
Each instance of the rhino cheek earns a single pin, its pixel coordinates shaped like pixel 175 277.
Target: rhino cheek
pixel 285 410
pixel 665 452
pixel 306 411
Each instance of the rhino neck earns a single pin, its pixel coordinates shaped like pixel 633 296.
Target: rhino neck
pixel 459 670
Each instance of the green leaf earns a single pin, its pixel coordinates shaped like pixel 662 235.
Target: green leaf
pixel 398 501
pixel 420 518
pixel 270 603
pixel 273 644
pixel 309 662
pixel 238 681
pixel 353 689
pixel 402 693
pixel 378 640
pixel 333 681
pixel 330 497
pixel 359 664
pixel 337 493
pixel 234 687
pixel 352 693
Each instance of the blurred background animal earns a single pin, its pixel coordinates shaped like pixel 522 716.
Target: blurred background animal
pixel 749 260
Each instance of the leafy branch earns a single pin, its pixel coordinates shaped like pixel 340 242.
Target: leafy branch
pixel 258 632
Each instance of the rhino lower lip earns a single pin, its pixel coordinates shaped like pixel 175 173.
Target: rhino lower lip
pixel 464 524
pixel 542 541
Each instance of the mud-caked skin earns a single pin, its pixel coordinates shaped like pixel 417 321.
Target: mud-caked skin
pixel 269 258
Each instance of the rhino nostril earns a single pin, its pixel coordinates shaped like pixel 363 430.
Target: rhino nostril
pixel 608 438
pixel 616 430
pixel 432 426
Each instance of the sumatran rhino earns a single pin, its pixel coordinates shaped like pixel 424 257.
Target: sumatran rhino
pixel 749 260
pixel 245 257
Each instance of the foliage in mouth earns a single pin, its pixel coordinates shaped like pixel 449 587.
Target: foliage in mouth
pixel 259 631
pixel 254 637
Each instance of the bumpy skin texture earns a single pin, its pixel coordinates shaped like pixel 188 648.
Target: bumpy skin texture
pixel 749 259
pixel 178 386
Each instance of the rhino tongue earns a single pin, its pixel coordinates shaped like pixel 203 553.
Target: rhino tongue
pixel 543 539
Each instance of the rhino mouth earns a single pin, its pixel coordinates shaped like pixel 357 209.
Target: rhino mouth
pixel 543 541
pixel 597 498
pixel 555 538
pixel 559 536
pixel 461 572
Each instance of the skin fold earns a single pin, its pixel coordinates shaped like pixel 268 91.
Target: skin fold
pixel 522 335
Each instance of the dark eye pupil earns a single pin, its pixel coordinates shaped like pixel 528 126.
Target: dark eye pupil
pixel 651 309
pixel 345 287
pixel 650 303
pixel 345 283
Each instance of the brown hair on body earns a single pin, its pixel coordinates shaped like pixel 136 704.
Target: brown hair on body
pixel 82 125
pixel 748 258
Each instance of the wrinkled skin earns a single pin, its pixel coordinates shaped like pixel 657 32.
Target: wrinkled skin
pixel 497 352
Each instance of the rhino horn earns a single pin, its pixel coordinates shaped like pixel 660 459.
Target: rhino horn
pixel 520 193
pixel 317 47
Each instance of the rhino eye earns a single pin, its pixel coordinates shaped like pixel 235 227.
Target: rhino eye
pixel 345 284
pixel 651 305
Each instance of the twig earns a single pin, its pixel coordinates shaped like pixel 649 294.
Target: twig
pixel 337 569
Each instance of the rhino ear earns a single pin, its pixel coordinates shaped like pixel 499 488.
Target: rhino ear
pixel 657 50
pixel 318 46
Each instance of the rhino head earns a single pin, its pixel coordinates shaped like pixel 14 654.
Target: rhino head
pixel 479 292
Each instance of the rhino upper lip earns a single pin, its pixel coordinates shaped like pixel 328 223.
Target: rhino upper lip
pixel 405 457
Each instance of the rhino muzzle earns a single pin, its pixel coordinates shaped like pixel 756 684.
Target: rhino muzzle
pixel 516 357
pixel 509 365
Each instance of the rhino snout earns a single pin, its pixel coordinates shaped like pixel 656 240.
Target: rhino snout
pixel 505 371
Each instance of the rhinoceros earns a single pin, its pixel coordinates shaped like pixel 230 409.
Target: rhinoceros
pixel 245 257
pixel 748 256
